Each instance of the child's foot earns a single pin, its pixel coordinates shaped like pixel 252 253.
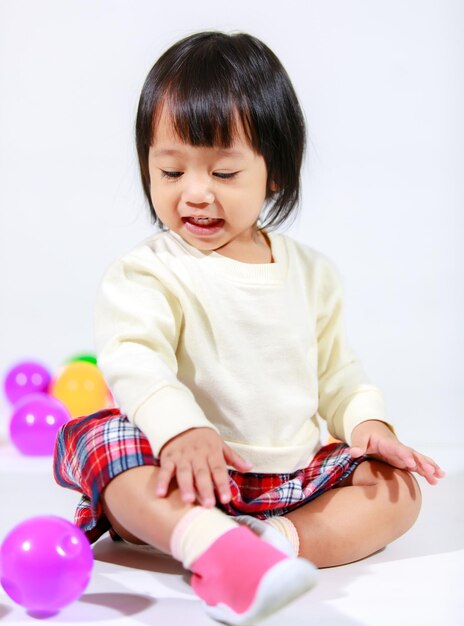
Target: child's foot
pixel 243 579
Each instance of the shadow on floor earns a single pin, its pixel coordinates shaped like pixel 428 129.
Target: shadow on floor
pixel 140 557
pixel 4 611
pixel 124 603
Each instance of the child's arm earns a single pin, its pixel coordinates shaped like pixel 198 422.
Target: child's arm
pixel 198 460
pixel 375 439
pixel 352 407
pixel 346 396
pixel 138 324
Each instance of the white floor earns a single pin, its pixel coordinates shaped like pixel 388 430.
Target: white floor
pixel 417 580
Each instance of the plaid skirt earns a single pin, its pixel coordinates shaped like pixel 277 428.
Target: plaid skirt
pixel 90 451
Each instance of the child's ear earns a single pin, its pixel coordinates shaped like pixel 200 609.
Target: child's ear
pixel 273 186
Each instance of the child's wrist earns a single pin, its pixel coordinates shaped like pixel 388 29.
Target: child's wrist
pixel 373 427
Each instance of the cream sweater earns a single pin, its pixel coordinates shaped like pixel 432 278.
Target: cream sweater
pixel 187 338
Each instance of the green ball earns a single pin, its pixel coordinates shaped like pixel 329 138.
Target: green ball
pixel 89 358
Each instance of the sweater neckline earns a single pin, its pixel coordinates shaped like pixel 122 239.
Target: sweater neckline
pixel 239 271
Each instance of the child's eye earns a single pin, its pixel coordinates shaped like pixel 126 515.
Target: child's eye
pixel 177 175
pixel 165 174
pixel 224 175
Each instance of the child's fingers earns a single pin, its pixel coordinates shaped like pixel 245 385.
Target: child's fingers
pixel 397 454
pixel 406 458
pixel 429 477
pixel 360 446
pixel 356 452
pixel 233 458
pixel 204 483
pixel 433 466
pixel 427 468
pixel 184 476
pixel 220 478
pixel 164 478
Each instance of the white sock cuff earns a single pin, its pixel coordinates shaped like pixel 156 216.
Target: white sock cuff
pixel 196 531
pixel 179 529
pixel 287 528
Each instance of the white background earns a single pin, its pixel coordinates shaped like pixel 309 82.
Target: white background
pixel 382 86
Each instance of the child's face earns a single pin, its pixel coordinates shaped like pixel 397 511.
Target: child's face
pixel 229 185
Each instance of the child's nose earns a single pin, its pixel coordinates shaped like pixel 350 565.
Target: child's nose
pixel 197 191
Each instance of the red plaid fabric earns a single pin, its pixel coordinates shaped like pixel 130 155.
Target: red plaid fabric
pixel 91 451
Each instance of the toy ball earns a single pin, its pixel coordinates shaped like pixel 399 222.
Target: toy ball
pixel 45 564
pixel 81 387
pixel 88 358
pixel 25 378
pixel 35 422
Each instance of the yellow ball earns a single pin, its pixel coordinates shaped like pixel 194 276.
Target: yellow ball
pixel 81 388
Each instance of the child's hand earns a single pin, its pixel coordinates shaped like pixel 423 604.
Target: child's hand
pixel 375 439
pixel 197 458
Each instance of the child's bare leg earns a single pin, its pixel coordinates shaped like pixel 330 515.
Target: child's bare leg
pixel 373 507
pixel 137 514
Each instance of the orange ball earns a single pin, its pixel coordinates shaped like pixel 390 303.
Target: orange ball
pixel 81 388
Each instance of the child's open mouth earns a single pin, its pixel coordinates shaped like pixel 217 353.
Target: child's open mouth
pixel 203 226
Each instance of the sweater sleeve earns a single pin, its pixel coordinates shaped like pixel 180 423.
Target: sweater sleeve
pixel 138 322
pixel 346 398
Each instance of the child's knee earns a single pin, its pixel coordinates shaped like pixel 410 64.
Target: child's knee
pixel 403 492
pixel 403 486
pixel 398 485
pixel 412 496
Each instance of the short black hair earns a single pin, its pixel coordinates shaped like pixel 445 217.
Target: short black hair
pixel 207 79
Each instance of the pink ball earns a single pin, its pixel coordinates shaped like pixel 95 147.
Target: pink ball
pixel 45 564
pixel 35 422
pixel 25 378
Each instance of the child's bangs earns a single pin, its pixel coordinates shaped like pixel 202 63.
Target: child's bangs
pixel 208 118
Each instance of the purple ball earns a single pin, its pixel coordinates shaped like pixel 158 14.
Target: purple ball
pixel 25 378
pixel 35 422
pixel 45 564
